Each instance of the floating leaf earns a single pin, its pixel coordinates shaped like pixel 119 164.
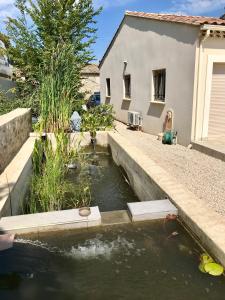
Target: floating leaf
pixel 201 267
pixel 205 259
pixel 214 269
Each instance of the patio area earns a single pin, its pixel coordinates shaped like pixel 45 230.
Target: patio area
pixel 213 147
pixel 201 174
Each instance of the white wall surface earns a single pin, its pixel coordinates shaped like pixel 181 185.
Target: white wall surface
pixel 148 45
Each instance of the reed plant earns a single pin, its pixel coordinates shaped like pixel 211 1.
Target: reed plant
pixel 50 189
pixel 57 89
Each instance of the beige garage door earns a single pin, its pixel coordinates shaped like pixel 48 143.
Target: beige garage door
pixel 217 104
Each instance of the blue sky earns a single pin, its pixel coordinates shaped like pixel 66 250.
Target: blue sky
pixel 113 11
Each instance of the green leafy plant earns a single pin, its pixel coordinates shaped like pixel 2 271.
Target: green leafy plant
pixel 38 30
pixel 98 118
pixel 56 92
pixel 207 265
pixel 50 189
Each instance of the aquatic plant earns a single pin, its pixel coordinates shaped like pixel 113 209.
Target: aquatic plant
pixel 100 117
pixel 57 89
pixel 207 265
pixel 51 190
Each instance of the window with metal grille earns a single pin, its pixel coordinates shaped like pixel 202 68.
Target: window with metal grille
pixel 108 87
pixel 159 82
pixel 127 86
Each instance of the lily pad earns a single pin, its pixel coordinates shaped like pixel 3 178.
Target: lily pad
pixel 214 269
pixel 205 259
pixel 201 267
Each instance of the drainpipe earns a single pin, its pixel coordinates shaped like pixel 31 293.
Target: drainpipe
pixel 201 40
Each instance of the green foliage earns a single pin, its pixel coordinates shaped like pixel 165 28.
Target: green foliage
pixel 50 190
pixel 37 32
pixel 5 39
pixel 98 118
pixel 58 90
pixel 10 100
pixel 207 265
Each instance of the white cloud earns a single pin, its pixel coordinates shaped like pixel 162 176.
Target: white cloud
pixel 111 3
pixel 7 9
pixel 196 7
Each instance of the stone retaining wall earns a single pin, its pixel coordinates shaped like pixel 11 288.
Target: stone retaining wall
pixel 15 128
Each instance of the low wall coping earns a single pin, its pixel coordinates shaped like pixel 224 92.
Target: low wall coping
pixel 13 114
pixel 50 221
pixel 12 173
pixel 151 210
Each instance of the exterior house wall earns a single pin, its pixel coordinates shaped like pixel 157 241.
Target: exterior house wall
pixel 149 45
pixel 91 84
pixel 212 49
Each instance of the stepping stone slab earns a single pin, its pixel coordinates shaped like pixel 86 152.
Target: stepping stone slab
pixel 151 210
pixel 56 220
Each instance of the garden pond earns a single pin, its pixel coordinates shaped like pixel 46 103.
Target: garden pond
pixel 133 261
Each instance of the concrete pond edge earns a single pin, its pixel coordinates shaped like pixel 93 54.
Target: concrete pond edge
pixel 148 180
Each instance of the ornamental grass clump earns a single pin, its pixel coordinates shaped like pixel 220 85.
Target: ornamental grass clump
pixel 57 89
pixel 50 189
pixel 48 184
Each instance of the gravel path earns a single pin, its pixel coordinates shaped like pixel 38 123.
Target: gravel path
pixel 201 174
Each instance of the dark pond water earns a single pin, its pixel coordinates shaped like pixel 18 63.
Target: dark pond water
pixel 132 262
pixel 110 188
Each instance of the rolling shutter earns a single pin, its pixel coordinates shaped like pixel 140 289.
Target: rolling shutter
pixel 217 103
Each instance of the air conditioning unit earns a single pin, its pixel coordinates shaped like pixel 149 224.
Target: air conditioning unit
pixel 134 119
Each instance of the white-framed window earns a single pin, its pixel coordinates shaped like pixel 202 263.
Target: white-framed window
pixel 127 86
pixel 159 85
pixel 108 87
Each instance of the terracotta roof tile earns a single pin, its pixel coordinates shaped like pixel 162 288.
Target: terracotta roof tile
pixel 192 20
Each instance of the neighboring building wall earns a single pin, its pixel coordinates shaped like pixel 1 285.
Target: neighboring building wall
pixel 15 128
pixel 91 84
pixel 149 45
pixel 6 71
pixel 212 47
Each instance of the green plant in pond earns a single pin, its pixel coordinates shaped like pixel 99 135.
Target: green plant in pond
pixel 56 91
pixel 207 265
pixel 48 186
pixel 50 190
pixel 98 118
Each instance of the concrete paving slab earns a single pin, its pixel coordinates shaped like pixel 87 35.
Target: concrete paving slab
pixel 151 210
pixel 68 219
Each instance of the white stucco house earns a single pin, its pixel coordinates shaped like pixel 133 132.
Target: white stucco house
pixel 157 62
pixel 90 80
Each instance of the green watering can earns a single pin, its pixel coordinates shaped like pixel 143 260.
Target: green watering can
pixel 169 137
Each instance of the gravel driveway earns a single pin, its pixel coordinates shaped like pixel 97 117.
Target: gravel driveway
pixel 201 174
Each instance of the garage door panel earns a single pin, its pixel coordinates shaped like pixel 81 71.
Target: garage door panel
pixel 217 103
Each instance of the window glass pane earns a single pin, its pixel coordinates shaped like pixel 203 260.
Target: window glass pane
pixel 127 86
pixel 108 87
pixel 159 78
